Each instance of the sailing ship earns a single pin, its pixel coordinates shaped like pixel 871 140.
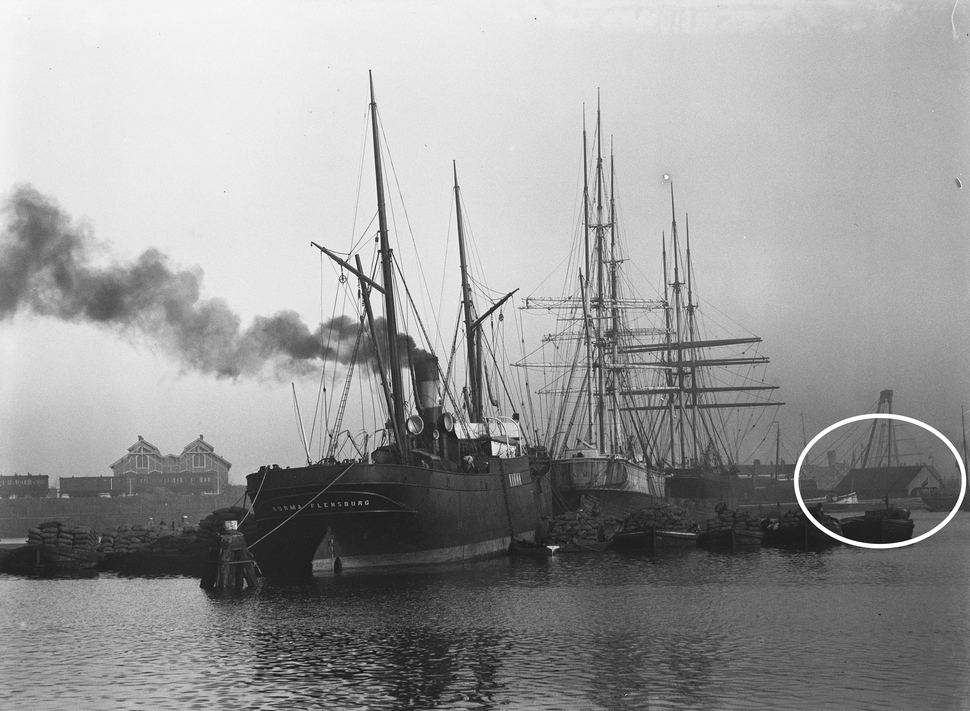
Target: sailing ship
pixel 441 486
pixel 596 442
pixel 696 395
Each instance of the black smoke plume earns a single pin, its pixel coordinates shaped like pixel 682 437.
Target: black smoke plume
pixel 46 268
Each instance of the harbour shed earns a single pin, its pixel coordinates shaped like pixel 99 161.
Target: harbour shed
pixel 894 482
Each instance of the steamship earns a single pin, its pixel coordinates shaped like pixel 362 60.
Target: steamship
pixel 442 485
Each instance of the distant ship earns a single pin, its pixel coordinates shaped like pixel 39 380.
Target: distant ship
pixel 440 487
pixel 941 499
pixel 597 442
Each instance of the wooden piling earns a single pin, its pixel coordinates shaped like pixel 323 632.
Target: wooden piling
pixel 235 565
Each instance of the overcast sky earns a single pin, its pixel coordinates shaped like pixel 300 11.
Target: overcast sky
pixel 819 148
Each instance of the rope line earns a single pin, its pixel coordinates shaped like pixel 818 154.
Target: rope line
pixel 323 490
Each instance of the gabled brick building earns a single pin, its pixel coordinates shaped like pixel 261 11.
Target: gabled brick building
pixel 197 470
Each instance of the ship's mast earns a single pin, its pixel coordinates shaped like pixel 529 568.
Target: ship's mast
pixel 387 270
pixel 668 347
pixel 690 338
pixel 614 330
pixel 600 289
pixel 678 332
pixel 584 290
pixel 473 342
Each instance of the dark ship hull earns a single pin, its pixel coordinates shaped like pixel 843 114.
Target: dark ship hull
pixel 889 525
pixel 365 515
pixel 700 491
pixel 697 484
pixel 939 502
pixel 615 485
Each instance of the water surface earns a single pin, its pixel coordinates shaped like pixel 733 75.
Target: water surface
pixel 845 628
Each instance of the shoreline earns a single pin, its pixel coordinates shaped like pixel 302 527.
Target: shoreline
pixel 19 515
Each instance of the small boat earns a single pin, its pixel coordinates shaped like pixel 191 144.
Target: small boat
pixel 834 500
pixel 794 530
pixel 938 500
pixel 659 526
pixel 651 540
pixel 890 524
pixel 34 558
pixel 730 539
pixel 731 530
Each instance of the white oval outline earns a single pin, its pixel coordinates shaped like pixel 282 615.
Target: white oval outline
pixel 876 416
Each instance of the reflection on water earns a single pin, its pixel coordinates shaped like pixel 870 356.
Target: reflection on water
pixel 775 629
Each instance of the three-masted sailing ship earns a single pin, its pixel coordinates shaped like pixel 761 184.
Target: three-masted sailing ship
pixel 443 485
pixel 596 439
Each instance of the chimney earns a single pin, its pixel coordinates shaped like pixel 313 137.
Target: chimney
pixel 428 391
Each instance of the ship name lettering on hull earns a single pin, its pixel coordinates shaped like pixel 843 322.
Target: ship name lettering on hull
pixel 323 505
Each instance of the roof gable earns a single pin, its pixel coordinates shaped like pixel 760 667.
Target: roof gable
pixel 198 445
pixel 143 446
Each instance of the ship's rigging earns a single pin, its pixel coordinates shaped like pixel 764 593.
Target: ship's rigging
pixel 638 376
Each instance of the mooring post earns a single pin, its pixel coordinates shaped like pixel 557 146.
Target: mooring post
pixel 235 565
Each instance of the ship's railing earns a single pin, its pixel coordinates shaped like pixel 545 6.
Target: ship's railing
pixel 504 436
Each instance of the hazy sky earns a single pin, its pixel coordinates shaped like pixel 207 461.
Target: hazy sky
pixel 818 148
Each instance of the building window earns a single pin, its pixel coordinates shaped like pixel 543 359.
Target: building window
pixel 198 460
pixel 141 461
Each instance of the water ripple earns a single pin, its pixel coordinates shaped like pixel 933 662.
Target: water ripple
pixel 845 628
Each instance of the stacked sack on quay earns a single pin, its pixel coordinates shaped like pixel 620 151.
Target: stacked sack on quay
pixel 124 539
pixel 789 518
pixel 53 546
pixel 157 547
pixel 660 516
pixel 55 534
pixel 727 520
pixel 577 527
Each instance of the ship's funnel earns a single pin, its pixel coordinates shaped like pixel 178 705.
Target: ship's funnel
pixel 428 391
pixel 427 384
